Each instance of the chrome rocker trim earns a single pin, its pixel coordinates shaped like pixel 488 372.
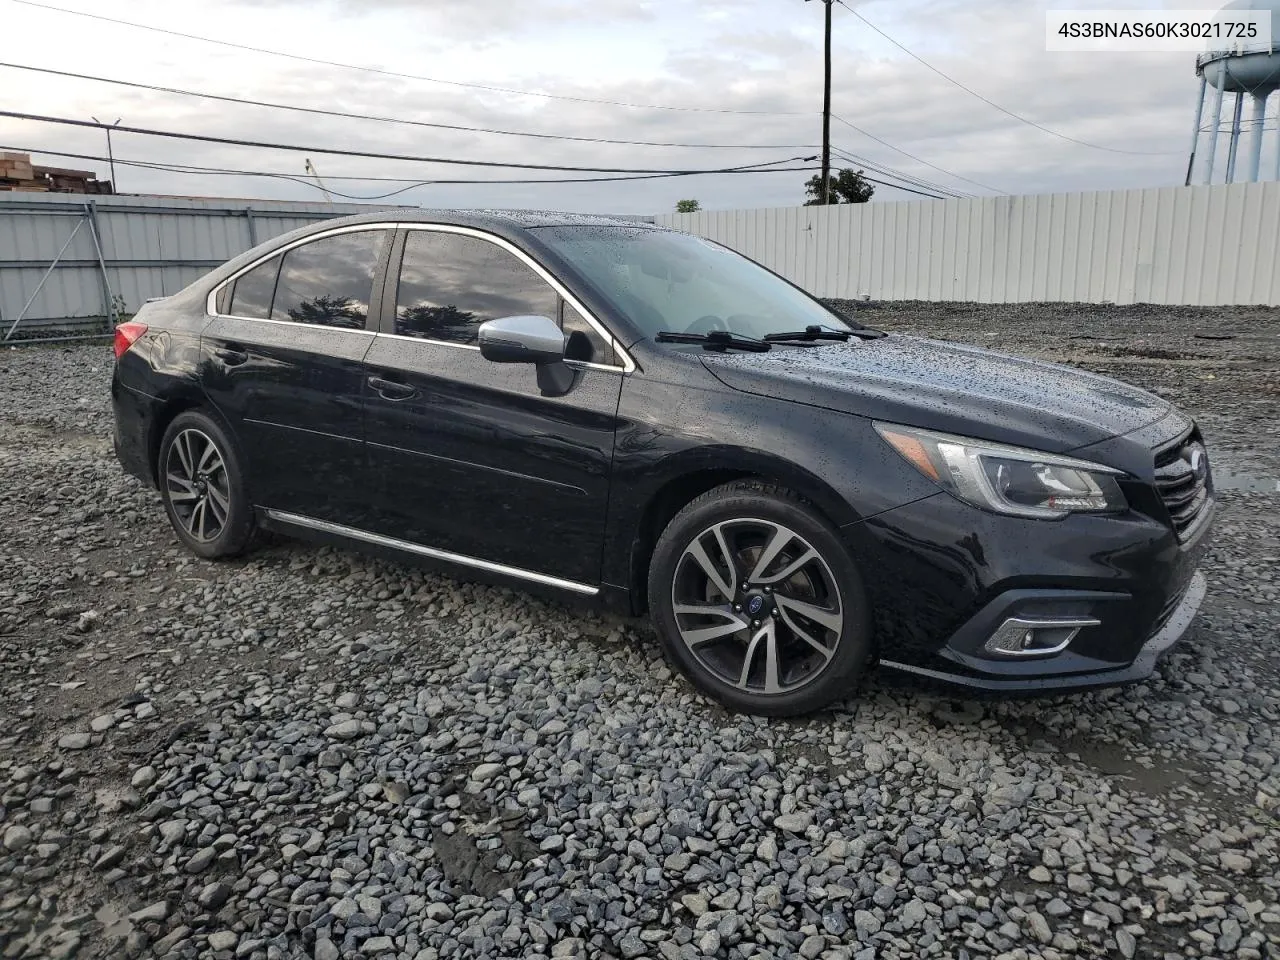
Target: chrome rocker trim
pixel 324 526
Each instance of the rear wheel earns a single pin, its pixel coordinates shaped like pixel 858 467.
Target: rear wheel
pixel 203 487
pixel 757 601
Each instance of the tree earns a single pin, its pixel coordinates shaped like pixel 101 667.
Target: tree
pixel 848 186
pixel 688 206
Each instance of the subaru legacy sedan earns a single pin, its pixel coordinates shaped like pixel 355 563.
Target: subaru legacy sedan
pixel 610 411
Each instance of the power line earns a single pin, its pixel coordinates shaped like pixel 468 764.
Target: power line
pixel 338 152
pixel 411 184
pixel 912 156
pixel 225 171
pixel 414 123
pixel 404 76
pixel 989 102
pixel 897 174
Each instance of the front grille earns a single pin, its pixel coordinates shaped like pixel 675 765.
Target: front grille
pixel 1184 490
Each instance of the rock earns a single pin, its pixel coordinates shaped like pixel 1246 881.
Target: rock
pixel 376 945
pixel 1039 927
pixel 156 911
pixel 102 723
pixel 371 907
pixel 1126 944
pixel 214 895
pixel 913 913
pixel 866 923
pixel 1236 862
pixel 344 730
pixel 344 910
pixel 767 850
pixel 695 903
pixel 17 838
pixel 812 947
pixel 1079 883
pixel 486 772
pixel 1041 874
pixel 223 940
pixel 396 793
pixel 75 741
pixel 112 857
pixel 793 822
pixel 439 912
pixel 200 861
pixel 325 949
pixel 143 778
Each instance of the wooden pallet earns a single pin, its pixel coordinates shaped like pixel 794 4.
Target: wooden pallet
pixel 18 173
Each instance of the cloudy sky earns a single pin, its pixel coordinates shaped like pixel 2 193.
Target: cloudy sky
pixel 743 72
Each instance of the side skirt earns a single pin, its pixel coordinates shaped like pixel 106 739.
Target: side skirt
pixel 297 521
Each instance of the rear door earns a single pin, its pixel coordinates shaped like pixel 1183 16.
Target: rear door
pixel 468 456
pixel 282 361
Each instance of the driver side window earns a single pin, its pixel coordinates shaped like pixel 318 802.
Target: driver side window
pixel 450 283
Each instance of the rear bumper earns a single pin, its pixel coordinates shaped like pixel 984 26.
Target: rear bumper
pixel 131 437
pixel 1169 633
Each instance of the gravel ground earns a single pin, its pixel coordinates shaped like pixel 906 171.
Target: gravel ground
pixel 309 753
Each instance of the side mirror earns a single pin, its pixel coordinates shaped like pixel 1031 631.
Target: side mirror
pixel 525 339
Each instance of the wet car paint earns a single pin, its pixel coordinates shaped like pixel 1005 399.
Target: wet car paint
pixel 579 487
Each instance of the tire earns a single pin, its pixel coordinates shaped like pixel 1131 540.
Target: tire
pixel 203 486
pixel 769 655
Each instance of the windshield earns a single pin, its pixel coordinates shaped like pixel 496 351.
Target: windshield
pixel 674 282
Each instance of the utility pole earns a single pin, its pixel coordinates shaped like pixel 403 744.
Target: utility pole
pixel 824 192
pixel 311 169
pixel 111 157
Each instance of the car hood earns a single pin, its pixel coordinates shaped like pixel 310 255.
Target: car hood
pixel 948 387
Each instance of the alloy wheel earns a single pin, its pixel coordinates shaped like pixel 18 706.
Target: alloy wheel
pixel 197 485
pixel 757 605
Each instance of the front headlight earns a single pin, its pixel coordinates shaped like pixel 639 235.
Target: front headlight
pixel 1012 480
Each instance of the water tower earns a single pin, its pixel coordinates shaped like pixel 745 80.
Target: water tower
pixel 1248 70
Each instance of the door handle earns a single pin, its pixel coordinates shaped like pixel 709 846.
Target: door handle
pixel 391 390
pixel 231 356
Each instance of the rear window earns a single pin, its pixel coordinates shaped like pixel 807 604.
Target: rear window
pixel 329 281
pixel 251 293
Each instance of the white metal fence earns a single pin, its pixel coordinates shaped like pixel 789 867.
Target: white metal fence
pixel 65 258
pixel 1216 245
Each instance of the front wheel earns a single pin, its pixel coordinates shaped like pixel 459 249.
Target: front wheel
pixel 758 603
pixel 203 487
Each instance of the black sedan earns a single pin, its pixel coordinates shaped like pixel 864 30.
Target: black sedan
pixel 612 411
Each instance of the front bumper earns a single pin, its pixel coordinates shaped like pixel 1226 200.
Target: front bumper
pixel 944 578
pixel 1143 665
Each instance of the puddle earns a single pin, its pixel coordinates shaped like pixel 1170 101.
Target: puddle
pixel 113 920
pixel 1228 480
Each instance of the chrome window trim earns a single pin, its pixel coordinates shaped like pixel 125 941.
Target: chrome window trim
pixel 294 323
pixel 324 526
pixel 628 364
pixel 211 301
pixel 586 364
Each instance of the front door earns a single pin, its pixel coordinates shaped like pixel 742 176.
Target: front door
pixel 282 361
pixel 468 456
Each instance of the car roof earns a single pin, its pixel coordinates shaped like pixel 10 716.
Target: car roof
pixel 498 221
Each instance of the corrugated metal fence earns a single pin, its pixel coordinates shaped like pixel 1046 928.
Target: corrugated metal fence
pixel 130 248
pixel 1216 245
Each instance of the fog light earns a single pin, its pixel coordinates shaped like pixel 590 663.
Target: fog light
pixel 1017 637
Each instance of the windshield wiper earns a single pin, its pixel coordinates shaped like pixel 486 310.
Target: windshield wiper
pixel 717 340
pixel 814 333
